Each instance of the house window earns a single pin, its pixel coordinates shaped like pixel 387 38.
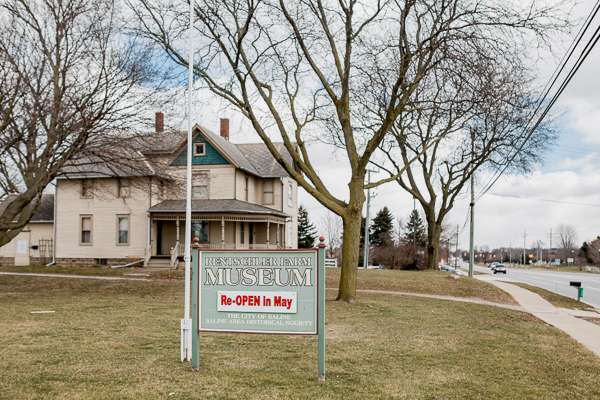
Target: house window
pixel 124 188
pixel 290 195
pixel 246 188
pixel 200 186
pixel 200 231
pixel 86 229
pixel 87 188
pixel 268 192
pixel 199 149
pixel 123 229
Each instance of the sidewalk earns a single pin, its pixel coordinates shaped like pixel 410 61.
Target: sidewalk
pixel 586 333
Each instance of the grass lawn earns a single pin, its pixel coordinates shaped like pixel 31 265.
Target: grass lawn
pixel 120 339
pixel 430 282
pixel 96 271
pixel 556 300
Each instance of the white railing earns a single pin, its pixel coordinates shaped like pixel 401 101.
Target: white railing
pixel 147 255
pixel 331 262
pixel 219 246
pixel 175 255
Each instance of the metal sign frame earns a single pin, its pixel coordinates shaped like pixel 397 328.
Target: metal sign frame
pixel 320 303
pixel 257 319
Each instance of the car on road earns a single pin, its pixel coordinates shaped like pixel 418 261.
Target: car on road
pixel 492 265
pixel 499 268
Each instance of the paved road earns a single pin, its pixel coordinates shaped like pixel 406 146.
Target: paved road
pixel 553 281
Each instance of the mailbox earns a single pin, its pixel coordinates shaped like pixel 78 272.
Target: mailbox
pixel 579 289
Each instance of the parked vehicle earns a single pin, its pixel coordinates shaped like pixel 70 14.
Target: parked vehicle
pixel 499 268
pixel 455 271
pixel 447 268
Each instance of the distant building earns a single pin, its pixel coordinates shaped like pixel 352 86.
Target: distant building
pixel 133 206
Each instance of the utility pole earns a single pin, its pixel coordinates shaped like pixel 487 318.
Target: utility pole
pixel 524 238
pixel 367 220
pixel 550 250
pixel 472 205
pixel 456 249
pixel 510 252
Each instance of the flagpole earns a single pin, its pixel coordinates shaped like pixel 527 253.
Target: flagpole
pixel 186 322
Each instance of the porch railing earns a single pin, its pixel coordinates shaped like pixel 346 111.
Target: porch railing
pixel 209 246
pixel 147 255
pixel 174 256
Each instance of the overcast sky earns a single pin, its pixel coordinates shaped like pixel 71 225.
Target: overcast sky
pixel 566 190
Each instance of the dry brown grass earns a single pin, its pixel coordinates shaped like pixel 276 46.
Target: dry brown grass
pixel 426 282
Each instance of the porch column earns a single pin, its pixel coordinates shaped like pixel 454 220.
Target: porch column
pixel 268 232
pixel 284 236
pixel 177 235
pixel 222 232
pixel 277 235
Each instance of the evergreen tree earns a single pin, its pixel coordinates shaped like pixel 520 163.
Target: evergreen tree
pixel 307 233
pixel 381 230
pixel 415 230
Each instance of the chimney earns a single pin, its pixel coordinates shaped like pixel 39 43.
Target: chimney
pixel 160 122
pixel 225 128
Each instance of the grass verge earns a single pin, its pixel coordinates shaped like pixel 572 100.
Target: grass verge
pixel 427 282
pixel 95 271
pixel 120 339
pixel 556 300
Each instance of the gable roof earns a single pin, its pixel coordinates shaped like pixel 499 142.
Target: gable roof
pixel 263 161
pixel 44 213
pixel 132 155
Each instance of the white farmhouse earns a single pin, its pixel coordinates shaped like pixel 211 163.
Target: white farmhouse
pixel 133 207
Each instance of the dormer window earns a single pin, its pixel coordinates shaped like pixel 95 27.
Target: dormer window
pixel 199 149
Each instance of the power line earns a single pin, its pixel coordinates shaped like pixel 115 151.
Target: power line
pixel 584 54
pixel 546 200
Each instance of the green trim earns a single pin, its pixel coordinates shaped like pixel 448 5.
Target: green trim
pixel 211 155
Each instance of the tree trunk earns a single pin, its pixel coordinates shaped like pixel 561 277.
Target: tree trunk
pixel 434 231
pixel 350 255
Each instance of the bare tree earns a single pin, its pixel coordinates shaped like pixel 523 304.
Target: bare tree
pixel 340 72
pixel 331 226
pixel 591 251
pixel 566 238
pixel 474 123
pixel 538 245
pixel 66 79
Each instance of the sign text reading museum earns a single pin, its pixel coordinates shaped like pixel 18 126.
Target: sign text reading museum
pixel 263 292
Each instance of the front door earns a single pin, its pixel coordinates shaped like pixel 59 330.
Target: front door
pixel 159 237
